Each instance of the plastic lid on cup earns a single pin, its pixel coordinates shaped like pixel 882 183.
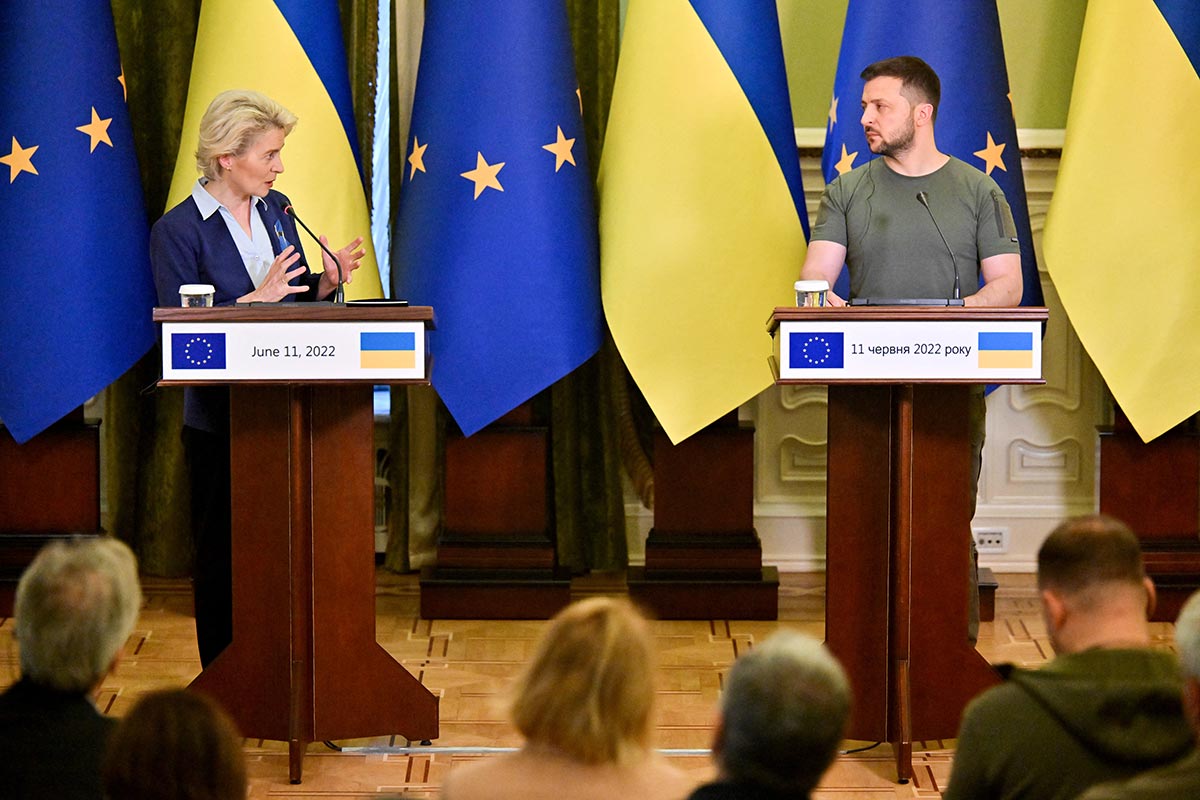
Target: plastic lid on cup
pixel 197 288
pixel 812 286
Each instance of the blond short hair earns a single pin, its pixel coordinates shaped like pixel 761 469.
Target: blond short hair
pixel 589 689
pixel 233 121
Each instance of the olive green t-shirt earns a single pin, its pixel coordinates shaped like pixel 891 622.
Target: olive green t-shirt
pixel 892 246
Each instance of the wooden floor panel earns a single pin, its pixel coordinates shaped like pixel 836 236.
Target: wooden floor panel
pixel 470 664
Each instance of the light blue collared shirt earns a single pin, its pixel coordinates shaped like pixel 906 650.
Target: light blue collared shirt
pixel 255 249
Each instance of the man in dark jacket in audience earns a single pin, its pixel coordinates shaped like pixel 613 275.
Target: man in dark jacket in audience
pixel 76 605
pixel 1181 779
pixel 1106 708
pixel 783 712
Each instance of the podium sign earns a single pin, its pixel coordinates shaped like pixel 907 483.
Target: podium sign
pixel 918 346
pixel 229 351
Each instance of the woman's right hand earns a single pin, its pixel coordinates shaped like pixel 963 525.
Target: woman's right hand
pixel 275 286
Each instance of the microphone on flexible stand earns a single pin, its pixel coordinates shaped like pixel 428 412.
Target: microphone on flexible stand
pixel 924 200
pixel 338 297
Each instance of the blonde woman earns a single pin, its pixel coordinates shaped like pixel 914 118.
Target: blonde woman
pixel 232 233
pixel 585 707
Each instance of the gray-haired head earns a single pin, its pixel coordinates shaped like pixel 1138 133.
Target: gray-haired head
pixel 783 713
pixel 1187 637
pixel 76 605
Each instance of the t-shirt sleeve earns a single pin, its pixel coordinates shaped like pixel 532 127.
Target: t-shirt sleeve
pixel 831 216
pixel 996 233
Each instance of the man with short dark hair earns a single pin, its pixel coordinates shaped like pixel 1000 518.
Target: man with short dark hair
pixel 1107 707
pixel 76 605
pixel 871 220
pixel 783 712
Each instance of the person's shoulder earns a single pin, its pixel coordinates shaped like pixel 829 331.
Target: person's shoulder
pixel 490 777
pixel 277 200
pixel 1179 779
pixel 852 178
pixel 181 216
pixel 996 702
pixel 960 170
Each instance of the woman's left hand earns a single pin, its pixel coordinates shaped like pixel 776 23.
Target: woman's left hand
pixel 350 257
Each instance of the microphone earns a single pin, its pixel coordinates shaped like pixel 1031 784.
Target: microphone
pixel 337 293
pixel 924 199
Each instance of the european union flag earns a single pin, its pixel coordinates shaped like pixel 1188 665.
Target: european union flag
pixel 496 228
pixel 961 41
pixel 809 350
pixel 76 314
pixel 198 351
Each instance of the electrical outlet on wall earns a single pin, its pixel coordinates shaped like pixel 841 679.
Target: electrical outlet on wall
pixel 991 540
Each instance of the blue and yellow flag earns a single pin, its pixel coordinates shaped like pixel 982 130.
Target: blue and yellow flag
pixel 702 219
pixel 961 41
pixel 1122 240
pixel 75 308
pixel 291 51
pixel 496 228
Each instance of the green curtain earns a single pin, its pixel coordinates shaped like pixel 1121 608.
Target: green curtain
pixel 149 504
pixel 588 502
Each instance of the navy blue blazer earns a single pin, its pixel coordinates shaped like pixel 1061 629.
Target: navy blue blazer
pixel 186 248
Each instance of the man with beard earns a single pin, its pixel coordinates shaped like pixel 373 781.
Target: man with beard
pixel 872 221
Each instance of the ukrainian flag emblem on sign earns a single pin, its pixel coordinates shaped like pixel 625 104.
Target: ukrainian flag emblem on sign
pixel 387 350
pixel 1002 350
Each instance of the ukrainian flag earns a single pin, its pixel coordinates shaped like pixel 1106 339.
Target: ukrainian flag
pixel 387 350
pixel 1005 350
pixel 1122 239
pixel 291 51
pixel 702 219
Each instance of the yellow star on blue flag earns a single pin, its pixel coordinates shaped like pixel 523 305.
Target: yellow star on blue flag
pixel 72 212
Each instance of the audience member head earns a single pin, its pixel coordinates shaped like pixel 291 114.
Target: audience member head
pixel 1187 642
pixel 233 121
pixel 76 605
pixel 918 82
pixel 588 692
pixel 783 712
pixel 1093 585
pixel 175 745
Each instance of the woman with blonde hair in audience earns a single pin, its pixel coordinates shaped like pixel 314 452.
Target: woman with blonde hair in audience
pixel 585 707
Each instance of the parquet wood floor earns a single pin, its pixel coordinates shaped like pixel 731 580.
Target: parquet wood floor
pixel 469 663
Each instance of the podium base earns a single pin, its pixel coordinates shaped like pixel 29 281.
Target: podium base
pixel 703 597
pixel 493 593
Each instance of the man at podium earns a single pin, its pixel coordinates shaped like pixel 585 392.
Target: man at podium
pixel 916 226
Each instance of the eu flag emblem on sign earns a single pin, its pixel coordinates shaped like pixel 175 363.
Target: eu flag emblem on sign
pixel 817 350
pixel 198 351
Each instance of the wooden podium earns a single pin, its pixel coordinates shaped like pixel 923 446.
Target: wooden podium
pixel 304 665
pixel 898 507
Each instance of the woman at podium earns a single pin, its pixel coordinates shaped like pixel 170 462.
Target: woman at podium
pixel 234 233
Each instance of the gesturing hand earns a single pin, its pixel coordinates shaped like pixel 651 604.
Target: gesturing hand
pixel 349 257
pixel 275 286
